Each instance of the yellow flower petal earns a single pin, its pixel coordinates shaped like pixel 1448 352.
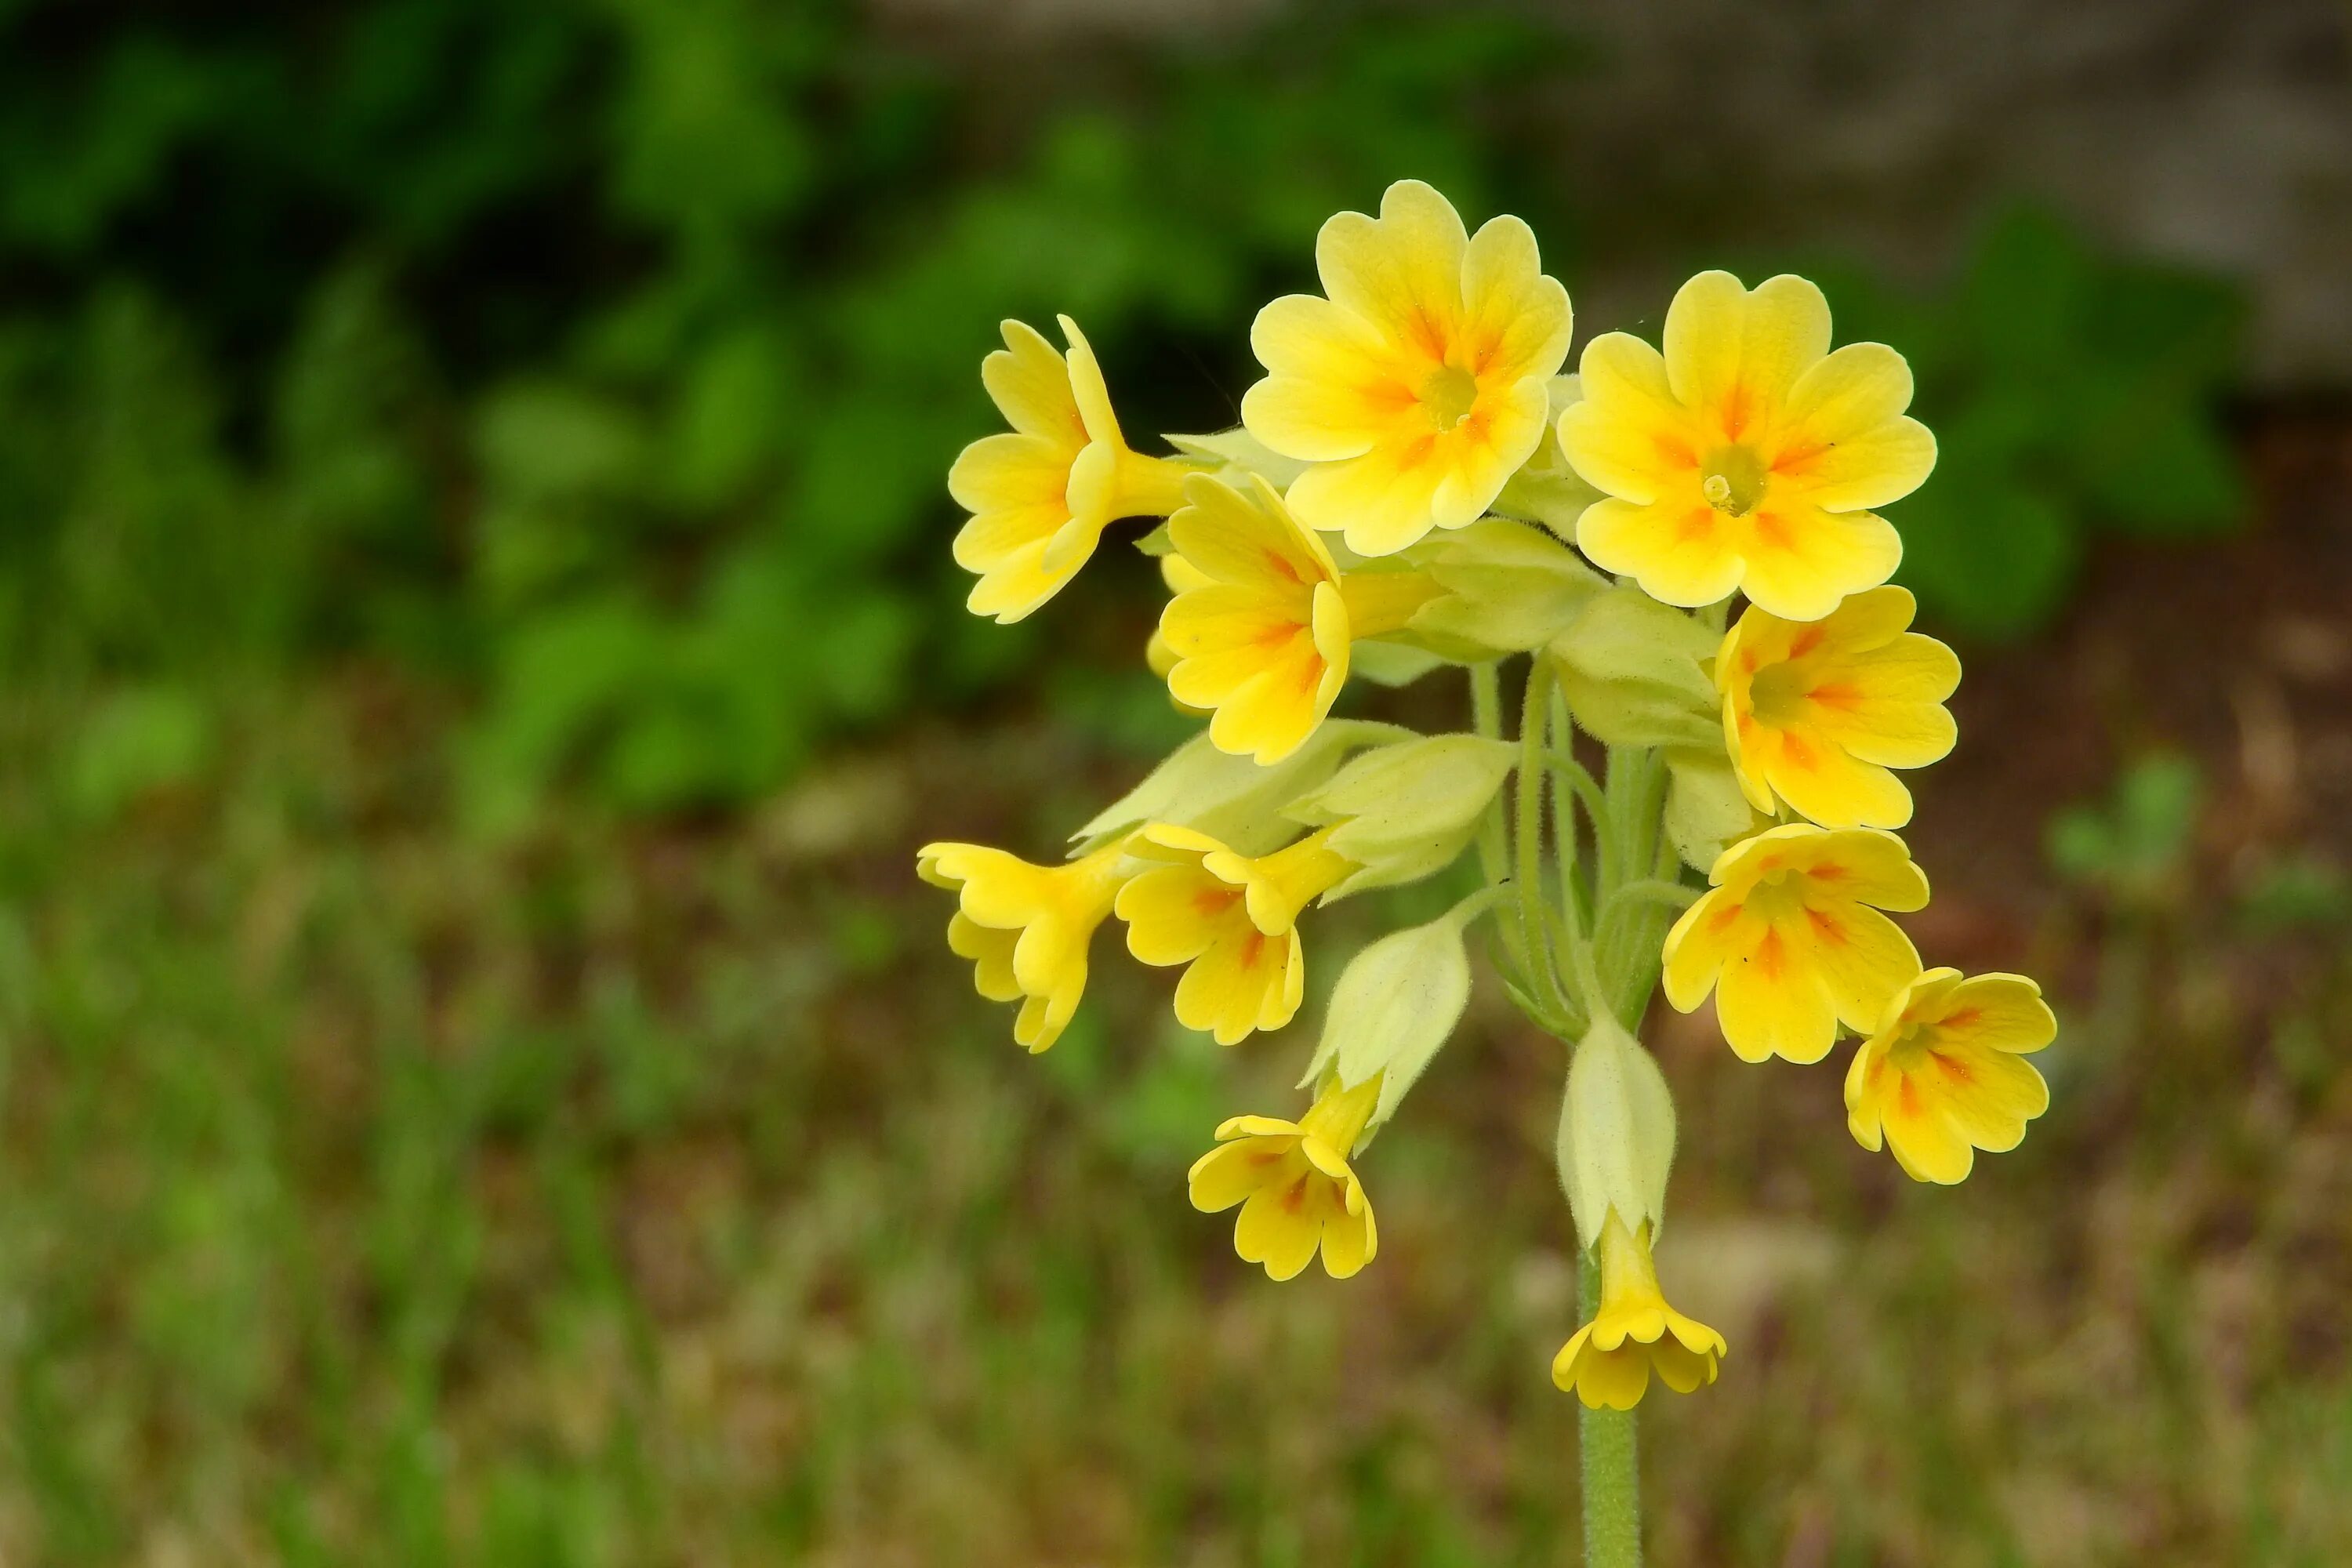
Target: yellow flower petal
pixel 1733 355
pixel 1402 270
pixel 1680 551
pixel 1516 322
pixel 1801 561
pixel 1030 386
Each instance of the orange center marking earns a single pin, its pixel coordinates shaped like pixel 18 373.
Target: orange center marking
pixel 1211 902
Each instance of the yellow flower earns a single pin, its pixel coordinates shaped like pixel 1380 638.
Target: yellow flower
pixel 1608 1361
pixel 1231 919
pixel 1262 634
pixel 1040 494
pixel 1790 938
pixel 1294 1183
pixel 1026 928
pixel 1817 712
pixel 1419 387
pixel 1748 455
pixel 1942 1078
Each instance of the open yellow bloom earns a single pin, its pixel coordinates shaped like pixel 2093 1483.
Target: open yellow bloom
pixel 1607 1363
pixel 1041 493
pixel 1026 928
pixel 1790 938
pixel 1747 456
pixel 1943 1076
pixel 1816 712
pixel 1418 387
pixel 1231 919
pixel 1262 636
pixel 1293 1181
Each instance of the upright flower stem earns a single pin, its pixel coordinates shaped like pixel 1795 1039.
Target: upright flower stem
pixel 1612 1476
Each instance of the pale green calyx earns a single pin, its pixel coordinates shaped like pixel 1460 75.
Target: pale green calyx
pixel 1635 673
pixel 1403 812
pixel 1229 797
pixel 1705 809
pixel 1507 588
pixel 1396 1003
pixel 1616 1138
pixel 1238 450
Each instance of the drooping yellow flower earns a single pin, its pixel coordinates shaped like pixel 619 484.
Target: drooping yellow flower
pixel 1816 712
pixel 1748 455
pixel 1262 636
pixel 1944 1076
pixel 1790 938
pixel 1419 386
pixel 1231 919
pixel 1041 493
pixel 1026 928
pixel 1293 1181
pixel 1607 1363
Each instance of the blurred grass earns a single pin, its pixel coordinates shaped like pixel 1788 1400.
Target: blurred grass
pixel 660 1194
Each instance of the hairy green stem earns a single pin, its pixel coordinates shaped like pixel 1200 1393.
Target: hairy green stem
pixel 1613 1473
pixel 1528 835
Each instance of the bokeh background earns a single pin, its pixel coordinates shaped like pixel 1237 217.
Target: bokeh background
pixel 479 1082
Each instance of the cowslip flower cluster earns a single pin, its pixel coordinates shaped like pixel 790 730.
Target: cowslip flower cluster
pixel 1416 486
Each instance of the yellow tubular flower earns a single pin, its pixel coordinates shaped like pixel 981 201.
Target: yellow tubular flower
pixel 1262 636
pixel 1817 712
pixel 1419 387
pixel 1026 928
pixel 1040 494
pixel 1607 1363
pixel 1748 455
pixel 1790 938
pixel 1231 919
pixel 1943 1076
pixel 1294 1183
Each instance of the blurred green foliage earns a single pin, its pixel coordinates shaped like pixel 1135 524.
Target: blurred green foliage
pixel 2069 391
pixel 605 357
pixel 2133 847
pixel 610 354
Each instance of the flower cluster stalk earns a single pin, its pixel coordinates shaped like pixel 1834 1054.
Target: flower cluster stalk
pixel 1415 484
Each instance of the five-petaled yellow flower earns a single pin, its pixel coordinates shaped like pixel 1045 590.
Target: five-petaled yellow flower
pixel 1419 386
pixel 1607 1363
pixel 1041 493
pixel 1944 1076
pixel 1748 455
pixel 1790 938
pixel 1296 1190
pixel 1262 634
pixel 1231 919
pixel 1026 928
pixel 1816 712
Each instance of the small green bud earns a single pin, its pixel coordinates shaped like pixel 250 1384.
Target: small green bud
pixel 1230 797
pixel 1404 812
pixel 1395 1005
pixel 1634 672
pixel 1616 1141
